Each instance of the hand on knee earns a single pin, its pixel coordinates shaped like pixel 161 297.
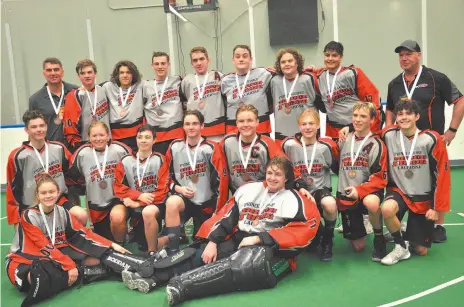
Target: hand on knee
pixel 421 250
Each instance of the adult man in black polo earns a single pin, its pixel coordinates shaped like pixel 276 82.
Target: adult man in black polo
pixel 430 88
pixel 50 98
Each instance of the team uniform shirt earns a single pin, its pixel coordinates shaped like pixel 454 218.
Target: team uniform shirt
pixel 124 125
pixel 83 164
pixel 79 114
pixel 167 117
pixel 256 92
pixel 369 172
pixel 211 105
pixel 210 171
pixel 32 241
pixel 325 159
pixel 155 179
pixel 432 90
pixel 287 113
pixel 23 170
pixel 285 220
pixel 429 186
pixel 351 85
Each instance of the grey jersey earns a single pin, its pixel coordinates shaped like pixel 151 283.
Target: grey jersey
pixel 325 159
pixel 166 115
pixel 84 164
pixel 368 174
pixel 302 98
pixel 132 112
pixel 102 111
pixel 256 92
pixel 211 105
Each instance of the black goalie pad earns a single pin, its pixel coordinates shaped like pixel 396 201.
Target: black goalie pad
pixel 118 262
pixel 47 279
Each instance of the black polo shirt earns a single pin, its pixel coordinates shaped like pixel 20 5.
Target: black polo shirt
pixel 40 101
pixel 433 89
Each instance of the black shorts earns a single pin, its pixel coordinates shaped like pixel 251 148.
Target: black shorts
pixel 319 195
pixel 199 213
pixel 353 221
pixel 103 228
pixel 419 230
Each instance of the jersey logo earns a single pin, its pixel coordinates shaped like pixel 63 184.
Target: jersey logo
pixel 367 149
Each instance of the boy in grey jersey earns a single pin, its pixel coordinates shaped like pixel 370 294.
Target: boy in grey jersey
pixel 419 182
pixel 202 92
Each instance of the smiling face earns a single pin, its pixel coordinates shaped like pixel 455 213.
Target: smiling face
pixel 361 120
pixel 145 141
pixel 275 178
pixel 36 129
pixel 98 137
pixel 409 60
pixel 288 65
pixel 192 126
pixel 53 73
pixel 87 76
pixel 247 122
pixel 332 60
pixel 406 119
pixel 160 65
pixel 308 126
pixel 47 194
pixel 125 76
pixel 242 59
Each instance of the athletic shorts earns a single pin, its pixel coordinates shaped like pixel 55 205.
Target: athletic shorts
pixel 199 213
pixel 319 195
pixel 103 227
pixel 419 230
pixel 353 221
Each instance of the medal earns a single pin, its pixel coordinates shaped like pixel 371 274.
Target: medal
pixel 255 222
pixel 124 100
pixel 101 171
pixel 263 203
pixel 59 115
pixel 194 178
pixel 409 174
pixel 123 113
pixel 331 87
pixel 409 93
pixel 241 90
pixel 201 90
pixel 309 167
pixel 93 105
pixel 140 178
pixel 245 161
pixel 310 181
pixel 353 140
pixel 37 153
pixel 193 162
pixel 352 174
pixel 159 96
pixel 288 108
pixel 50 234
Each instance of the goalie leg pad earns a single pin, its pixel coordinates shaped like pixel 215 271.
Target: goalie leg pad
pixel 118 262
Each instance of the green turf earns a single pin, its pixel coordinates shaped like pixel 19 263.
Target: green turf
pixel 349 280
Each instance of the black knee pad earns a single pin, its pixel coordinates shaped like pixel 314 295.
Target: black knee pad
pixel 163 270
pixel 92 273
pixel 118 262
pixel 47 279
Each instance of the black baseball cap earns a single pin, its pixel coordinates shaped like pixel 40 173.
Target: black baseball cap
pixel 409 45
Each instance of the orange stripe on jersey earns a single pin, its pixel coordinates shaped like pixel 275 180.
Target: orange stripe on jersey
pixel 173 134
pixel 123 133
pixel 71 115
pixel 218 129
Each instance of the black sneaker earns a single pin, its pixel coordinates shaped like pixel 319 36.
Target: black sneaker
pixel 379 251
pixel 439 234
pixel 174 291
pixel 326 250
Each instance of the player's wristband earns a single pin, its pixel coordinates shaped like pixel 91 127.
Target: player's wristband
pixel 453 129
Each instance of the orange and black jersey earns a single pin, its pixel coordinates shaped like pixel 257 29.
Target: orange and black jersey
pixel 432 90
pixel 155 179
pixel 32 241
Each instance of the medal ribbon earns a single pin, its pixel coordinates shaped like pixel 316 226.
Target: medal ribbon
pixel 102 170
pixel 332 87
pixel 245 162
pixel 353 140
pixel 140 179
pixel 159 96
pixel 193 164
pixel 50 234
pixel 313 154
pixel 124 100
pixel 284 82
pixel 37 153
pixel 241 90
pixel 56 108
pixel 411 151
pixel 409 93
pixel 93 106
pixel 201 91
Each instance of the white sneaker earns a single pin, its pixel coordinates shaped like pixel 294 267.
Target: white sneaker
pixel 397 254
pixel 389 237
pixel 368 225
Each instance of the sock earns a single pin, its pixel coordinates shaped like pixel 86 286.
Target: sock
pixel 378 232
pixel 329 224
pixel 328 232
pixel 174 240
pixel 398 238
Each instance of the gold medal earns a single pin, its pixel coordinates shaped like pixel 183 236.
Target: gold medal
pixel 409 174
pixel 201 105
pixel 352 174
pixel 123 113
pixel 103 185
pixel 194 178
pixel 310 181
pixel 58 120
